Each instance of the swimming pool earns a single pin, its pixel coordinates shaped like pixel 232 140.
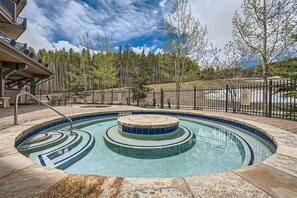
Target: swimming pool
pixel 220 145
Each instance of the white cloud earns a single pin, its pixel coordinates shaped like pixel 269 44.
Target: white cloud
pixel 162 3
pixel 121 18
pixel 35 38
pixel 39 28
pixel 159 50
pixel 152 49
pixel 56 25
pixel 138 50
pixel 65 44
pixel 217 15
pixel 73 18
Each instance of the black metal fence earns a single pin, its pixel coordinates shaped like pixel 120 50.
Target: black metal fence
pixel 276 99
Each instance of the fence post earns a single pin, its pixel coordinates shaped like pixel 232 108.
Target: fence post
pixel 294 99
pixel 162 99
pixel 111 102
pixel 226 105
pixel 154 99
pixel 195 97
pixel 270 99
pixel 102 102
pixel 39 92
pixel 93 97
pixel 129 97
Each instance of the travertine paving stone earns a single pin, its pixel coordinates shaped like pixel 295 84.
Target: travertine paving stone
pixel 287 140
pixel 5 112
pixel 283 163
pixel 12 163
pixel 279 123
pixel 85 186
pixel 271 180
pixel 226 184
pixel 35 180
pixel 287 150
pixel 46 113
pixel 7 140
pixel 8 151
pixel 140 187
pixel 30 182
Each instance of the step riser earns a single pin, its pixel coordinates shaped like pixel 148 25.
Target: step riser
pixel 46 146
pixel 59 149
pixel 65 150
pixel 77 157
pixel 39 140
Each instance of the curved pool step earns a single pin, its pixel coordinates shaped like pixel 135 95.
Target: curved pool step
pixel 64 149
pixel 38 138
pixel 66 160
pixel 31 145
pixel 40 156
pixel 45 157
pixel 69 153
pixel 69 140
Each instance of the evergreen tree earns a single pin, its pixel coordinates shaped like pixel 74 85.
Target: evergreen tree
pixel 140 78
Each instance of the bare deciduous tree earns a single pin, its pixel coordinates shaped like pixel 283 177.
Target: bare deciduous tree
pixel 266 30
pixel 86 42
pixel 185 36
pixel 104 68
pixel 227 64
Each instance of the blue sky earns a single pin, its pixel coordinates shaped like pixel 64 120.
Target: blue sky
pixel 54 24
pixel 57 24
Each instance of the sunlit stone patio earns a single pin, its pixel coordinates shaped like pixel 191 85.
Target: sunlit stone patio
pixel 21 177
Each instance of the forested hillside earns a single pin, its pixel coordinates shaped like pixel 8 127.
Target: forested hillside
pixel 75 71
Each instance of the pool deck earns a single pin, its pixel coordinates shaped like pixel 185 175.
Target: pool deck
pixel 275 177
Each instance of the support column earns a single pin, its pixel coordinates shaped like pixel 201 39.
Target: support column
pixel 33 87
pixel 20 85
pixel 4 101
pixel 14 12
pixel 2 81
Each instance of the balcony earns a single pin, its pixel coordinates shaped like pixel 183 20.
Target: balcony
pixel 22 48
pixel 10 10
pixel 15 29
pixel 8 6
pixel 20 6
pixel 6 10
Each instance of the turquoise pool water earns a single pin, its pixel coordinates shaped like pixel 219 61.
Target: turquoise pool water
pixel 218 148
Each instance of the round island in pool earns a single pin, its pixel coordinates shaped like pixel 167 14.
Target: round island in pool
pixel 152 136
pixel 148 126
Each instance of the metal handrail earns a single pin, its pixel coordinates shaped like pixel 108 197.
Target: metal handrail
pixel 38 100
